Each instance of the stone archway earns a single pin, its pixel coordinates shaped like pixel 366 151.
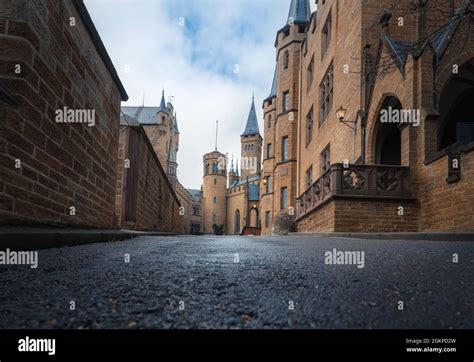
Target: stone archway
pixel 253 217
pixel 387 137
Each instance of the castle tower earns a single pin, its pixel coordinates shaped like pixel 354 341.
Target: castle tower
pixel 251 146
pixel 280 112
pixel 214 188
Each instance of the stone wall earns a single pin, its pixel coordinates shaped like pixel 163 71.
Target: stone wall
pixel 156 205
pixel 351 215
pixel 51 57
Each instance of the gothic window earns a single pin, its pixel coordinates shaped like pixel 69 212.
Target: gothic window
pixel 283 198
pixel 270 121
pixel 309 176
pixel 269 150
pixel 309 75
pixel 284 148
pixel 326 94
pixel 326 35
pixel 286 101
pixel 237 222
pixel 325 159
pixel 309 127
pixel 286 59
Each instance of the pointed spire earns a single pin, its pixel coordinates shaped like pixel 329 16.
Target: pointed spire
pixel 273 91
pixel 232 165
pixel 300 12
pixel 163 103
pixel 237 167
pixel 251 127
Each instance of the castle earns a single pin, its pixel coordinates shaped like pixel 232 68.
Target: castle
pixel 231 199
pixel 330 161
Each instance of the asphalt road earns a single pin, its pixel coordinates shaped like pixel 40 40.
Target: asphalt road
pixel 200 282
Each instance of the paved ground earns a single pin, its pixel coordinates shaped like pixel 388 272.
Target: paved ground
pixel 254 292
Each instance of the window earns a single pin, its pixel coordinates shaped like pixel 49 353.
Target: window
pixel 326 91
pixel 270 121
pixel 286 101
pixel 215 200
pixel 301 29
pixel 286 33
pixel 267 219
pixel 309 177
pixel 325 160
pixel 283 200
pixel 326 35
pixel 214 218
pixel 215 181
pixel 309 127
pixel 196 211
pixel 284 149
pixel 309 75
pixel 286 59
pixel 214 167
pixel 269 150
pixel 267 186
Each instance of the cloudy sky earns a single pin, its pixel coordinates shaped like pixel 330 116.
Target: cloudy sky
pixel 195 64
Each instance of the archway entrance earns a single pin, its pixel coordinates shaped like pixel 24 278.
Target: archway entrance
pixel 456 121
pixel 388 141
pixel 253 218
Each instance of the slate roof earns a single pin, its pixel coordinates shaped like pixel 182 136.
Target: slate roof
pixel 300 11
pixel 243 182
pixel 195 193
pixel 144 115
pixel 399 49
pixel 441 39
pixel 126 120
pixel 251 127
pixel 273 91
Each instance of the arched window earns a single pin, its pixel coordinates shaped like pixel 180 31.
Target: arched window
pixel 286 59
pixel 388 149
pixel 237 222
pixel 270 121
pixel 456 120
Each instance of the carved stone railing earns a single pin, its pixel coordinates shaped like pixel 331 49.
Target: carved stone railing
pixel 368 181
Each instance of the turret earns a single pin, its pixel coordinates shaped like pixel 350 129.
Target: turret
pixel 214 190
pixel 251 145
